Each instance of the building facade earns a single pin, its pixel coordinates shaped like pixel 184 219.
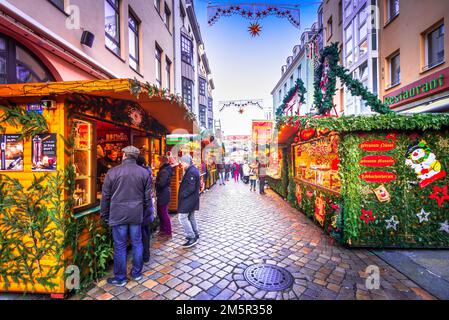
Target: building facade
pixel 193 74
pixel 413 56
pixel 360 51
pixel 63 40
pixel 332 11
pixel 298 66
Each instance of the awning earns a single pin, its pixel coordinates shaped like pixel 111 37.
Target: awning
pixel 441 105
pixel 170 115
pixel 285 133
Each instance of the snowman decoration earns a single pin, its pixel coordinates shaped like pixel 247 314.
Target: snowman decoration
pixel 421 159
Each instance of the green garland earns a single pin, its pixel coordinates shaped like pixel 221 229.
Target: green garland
pixel 32 123
pixel 300 89
pixel 390 121
pixel 325 104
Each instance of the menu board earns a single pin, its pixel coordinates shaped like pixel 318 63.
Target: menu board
pixel 11 149
pixel 43 152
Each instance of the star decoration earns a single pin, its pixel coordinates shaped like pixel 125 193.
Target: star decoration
pixel 444 227
pixel 440 195
pixel 392 223
pixel 423 216
pixel 367 216
pixel 443 143
pixel 255 29
pixel 241 110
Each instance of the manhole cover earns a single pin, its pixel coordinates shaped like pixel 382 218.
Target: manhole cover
pixel 268 277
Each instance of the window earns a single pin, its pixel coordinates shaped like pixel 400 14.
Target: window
pixel 60 4
pixel 18 65
pixel 210 105
pixel 133 31
pixel 280 95
pixel 349 59
pixel 167 16
pixel 210 123
pixel 202 87
pixel 300 72
pixel 329 28
pixel 202 116
pixel 168 73
pixel 348 8
pixel 392 9
pixel 395 69
pixel 362 32
pixel 435 46
pixel 340 12
pixel 292 84
pixel 186 50
pixel 187 92
pixel 285 88
pixel 157 5
pixel 112 25
pixel 158 63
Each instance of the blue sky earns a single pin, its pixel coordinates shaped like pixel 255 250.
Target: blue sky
pixel 244 67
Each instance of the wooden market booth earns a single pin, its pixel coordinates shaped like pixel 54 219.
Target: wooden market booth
pixel 73 133
pixel 370 181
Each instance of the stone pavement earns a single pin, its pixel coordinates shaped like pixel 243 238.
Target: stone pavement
pixel 240 228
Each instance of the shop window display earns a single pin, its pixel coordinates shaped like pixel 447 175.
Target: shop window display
pixel 316 162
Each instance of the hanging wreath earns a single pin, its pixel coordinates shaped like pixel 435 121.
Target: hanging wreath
pixel 300 89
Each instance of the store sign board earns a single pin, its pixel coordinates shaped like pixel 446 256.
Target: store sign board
pixel 377 145
pixel 420 89
pixel 378 176
pixel 11 152
pixel 43 152
pixel 377 161
pixel 35 107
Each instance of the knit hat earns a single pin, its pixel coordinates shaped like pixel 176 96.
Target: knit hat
pixel 131 152
pixel 186 159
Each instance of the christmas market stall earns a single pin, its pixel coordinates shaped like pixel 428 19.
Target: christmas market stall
pixel 378 180
pixel 58 140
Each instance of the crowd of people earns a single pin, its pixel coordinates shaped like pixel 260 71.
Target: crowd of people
pixel 127 204
pixel 249 173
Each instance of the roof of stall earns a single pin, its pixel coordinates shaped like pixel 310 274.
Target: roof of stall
pixel 167 110
pixel 288 126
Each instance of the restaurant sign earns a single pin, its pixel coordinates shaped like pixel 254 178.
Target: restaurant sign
pixel 420 89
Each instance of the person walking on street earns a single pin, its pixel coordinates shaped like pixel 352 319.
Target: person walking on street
pixel 148 216
pixel 126 197
pixel 245 172
pixel 253 176
pixel 227 170
pixel 221 172
pixel 163 181
pixel 241 170
pixel 262 171
pixel 189 201
pixel 236 169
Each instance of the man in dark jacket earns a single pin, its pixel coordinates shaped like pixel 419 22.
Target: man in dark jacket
pixel 221 172
pixel 126 196
pixel 189 200
pixel 148 215
pixel 163 181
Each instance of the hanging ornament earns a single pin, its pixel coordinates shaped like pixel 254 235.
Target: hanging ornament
pixel 254 29
pixel 444 227
pixel 440 195
pixel 392 223
pixel 241 110
pixel 367 216
pixel 423 216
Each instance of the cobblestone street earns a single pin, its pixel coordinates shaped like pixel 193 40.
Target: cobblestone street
pixel 240 228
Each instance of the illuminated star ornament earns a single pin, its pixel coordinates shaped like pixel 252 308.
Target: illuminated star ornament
pixel 440 195
pixel 254 29
pixel 367 216
pixel 392 223
pixel 423 216
pixel 241 110
pixel 444 227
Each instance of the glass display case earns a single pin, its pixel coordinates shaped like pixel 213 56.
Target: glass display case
pixel 82 163
pixel 316 162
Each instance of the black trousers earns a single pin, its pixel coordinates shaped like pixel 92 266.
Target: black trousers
pixel 262 185
pixel 146 237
